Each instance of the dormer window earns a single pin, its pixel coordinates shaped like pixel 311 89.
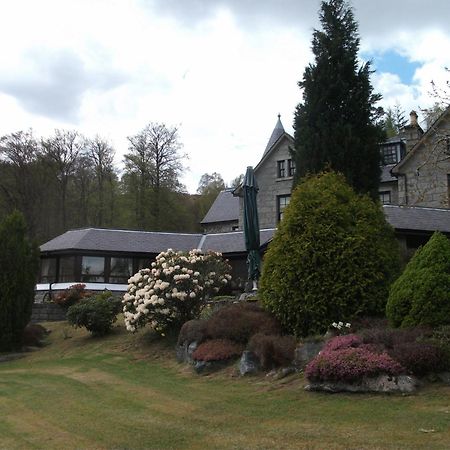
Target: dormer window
pixel 281 169
pixel 392 153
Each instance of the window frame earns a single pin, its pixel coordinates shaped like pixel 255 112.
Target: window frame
pixel 281 168
pixel 382 195
pixel 280 207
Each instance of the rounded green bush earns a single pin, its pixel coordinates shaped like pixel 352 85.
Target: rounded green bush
pixel 97 314
pixel 421 295
pixel 332 258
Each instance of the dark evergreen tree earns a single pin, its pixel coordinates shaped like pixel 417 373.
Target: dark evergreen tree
pixel 336 125
pixel 19 261
pixel 394 120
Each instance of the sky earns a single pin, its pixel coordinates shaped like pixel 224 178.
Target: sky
pixel 219 70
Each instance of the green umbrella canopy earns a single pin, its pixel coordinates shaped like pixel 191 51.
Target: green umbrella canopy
pixel 251 224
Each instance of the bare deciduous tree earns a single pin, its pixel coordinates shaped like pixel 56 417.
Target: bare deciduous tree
pixel 155 163
pixel 61 152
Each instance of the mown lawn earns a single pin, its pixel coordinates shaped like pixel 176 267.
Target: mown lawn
pixel 127 392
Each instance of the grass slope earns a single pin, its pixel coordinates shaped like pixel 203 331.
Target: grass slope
pixel 127 392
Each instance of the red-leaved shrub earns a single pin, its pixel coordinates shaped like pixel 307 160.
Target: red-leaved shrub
pixel 217 350
pixel 273 350
pixel 390 338
pixel 33 334
pixel 419 358
pixel 350 364
pixel 239 322
pixel 72 295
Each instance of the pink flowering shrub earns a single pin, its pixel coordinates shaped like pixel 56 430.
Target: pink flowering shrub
pixel 350 364
pixel 344 341
pixel 174 290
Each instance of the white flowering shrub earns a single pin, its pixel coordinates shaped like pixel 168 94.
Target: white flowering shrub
pixel 174 290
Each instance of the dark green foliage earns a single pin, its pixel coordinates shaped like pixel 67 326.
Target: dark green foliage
pixel 273 350
pixel 19 261
pixel 421 295
pixel 335 125
pixel 332 258
pixel 96 314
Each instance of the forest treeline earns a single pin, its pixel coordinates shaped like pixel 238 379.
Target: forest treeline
pixel 68 181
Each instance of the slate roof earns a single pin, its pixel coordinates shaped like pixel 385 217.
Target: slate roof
pixel 277 132
pixel 97 239
pixel 121 241
pixel 233 242
pixel 418 218
pixel 224 209
pixel 386 173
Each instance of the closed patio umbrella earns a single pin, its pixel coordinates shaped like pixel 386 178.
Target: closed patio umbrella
pixel 251 226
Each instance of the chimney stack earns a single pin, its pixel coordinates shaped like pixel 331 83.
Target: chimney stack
pixel 413 118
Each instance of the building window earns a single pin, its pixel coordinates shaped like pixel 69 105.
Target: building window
pixel 291 167
pixel 93 269
pixel 121 270
pixel 282 202
pixel 48 270
pixel 281 169
pixel 143 263
pixel 66 269
pixel 385 197
pixel 392 153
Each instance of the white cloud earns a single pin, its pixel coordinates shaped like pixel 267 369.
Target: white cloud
pixel 221 69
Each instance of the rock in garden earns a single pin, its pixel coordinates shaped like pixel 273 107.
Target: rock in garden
pixel 306 352
pixel 249 363
pixel 382 383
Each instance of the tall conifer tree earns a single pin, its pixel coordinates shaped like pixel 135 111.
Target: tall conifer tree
pixel 335 125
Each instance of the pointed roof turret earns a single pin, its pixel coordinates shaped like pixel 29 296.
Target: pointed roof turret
pixel 277 132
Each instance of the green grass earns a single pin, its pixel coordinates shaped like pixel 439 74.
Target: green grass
pixel 127 392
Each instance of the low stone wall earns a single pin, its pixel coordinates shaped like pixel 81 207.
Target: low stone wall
pixel 47 312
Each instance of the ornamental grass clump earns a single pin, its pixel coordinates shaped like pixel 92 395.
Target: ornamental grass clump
pixel 239 322
pixel 217 350
pixel 273 350
pixel 174 290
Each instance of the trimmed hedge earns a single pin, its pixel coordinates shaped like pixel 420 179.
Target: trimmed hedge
pixel 333 258
pixel 421 295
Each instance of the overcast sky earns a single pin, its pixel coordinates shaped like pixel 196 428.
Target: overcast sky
pixel 221 70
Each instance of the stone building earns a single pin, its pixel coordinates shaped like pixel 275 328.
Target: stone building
pixel 274 173
pixel 414 187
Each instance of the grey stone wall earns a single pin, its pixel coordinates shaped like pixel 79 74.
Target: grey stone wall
pixel 270 187
pixel 220 227
pixel 47 312
pixel 423 179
